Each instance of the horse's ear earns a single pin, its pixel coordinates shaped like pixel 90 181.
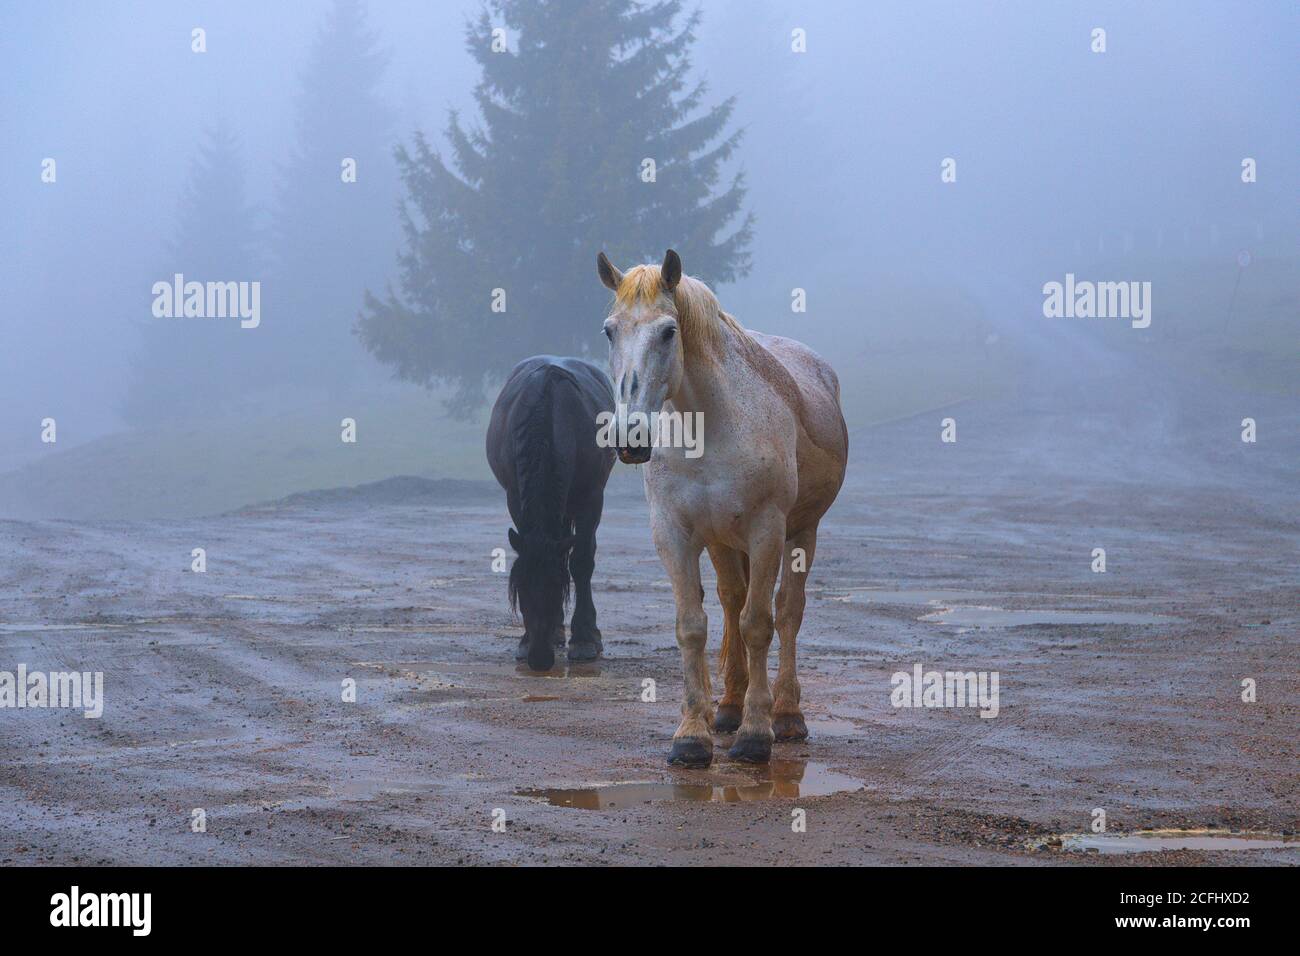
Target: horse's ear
pixel 608 274
pixel 516 542
pixel 670 272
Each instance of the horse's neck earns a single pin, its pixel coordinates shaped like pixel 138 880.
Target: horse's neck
pixel 717 385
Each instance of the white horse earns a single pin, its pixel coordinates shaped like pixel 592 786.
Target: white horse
pixel 774 453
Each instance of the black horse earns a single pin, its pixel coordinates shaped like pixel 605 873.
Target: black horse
pixel 541 444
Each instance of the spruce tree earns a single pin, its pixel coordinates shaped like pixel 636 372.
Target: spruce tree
pixel 192 367
pixel 585 93
pixel 333 231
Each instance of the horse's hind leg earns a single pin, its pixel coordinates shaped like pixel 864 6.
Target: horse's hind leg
pixel 584 636
pixel 787 720
pixel 732 585
pixel 767 538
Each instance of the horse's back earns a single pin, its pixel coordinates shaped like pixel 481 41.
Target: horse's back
pixel 819 391
pixel 592 381
pixel 583 391
pixel 822 466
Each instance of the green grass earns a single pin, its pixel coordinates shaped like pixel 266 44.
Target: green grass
pixel 916 348
pixel 922 348
pixel 1250 340
pixel 213 467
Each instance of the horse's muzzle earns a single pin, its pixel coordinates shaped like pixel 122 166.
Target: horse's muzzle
pixel 634 456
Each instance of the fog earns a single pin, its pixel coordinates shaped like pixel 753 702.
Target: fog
pixel 1123 165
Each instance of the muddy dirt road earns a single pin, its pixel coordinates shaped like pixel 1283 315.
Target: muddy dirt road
pixel 1119 691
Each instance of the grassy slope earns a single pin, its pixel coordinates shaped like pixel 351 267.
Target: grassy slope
pixel 214 467
pixel 1250 340
pixel 923 349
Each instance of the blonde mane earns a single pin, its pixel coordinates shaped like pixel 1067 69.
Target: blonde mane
pixel 699 314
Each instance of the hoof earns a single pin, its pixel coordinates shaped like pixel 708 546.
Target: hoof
pixel 789 727
pixel 521 652
pixel 584 650
pixel 691 752
pixel 727 720
pixel 750 748
pixel 541 656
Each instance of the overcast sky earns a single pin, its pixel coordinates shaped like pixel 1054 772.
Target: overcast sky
pixel 1058 149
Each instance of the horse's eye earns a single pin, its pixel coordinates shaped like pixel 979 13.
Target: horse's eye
pixel 669 333
pixel 609 333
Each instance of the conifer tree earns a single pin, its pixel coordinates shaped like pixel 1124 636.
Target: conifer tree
pixel 187 367
pixel 593 136
pixel 333 231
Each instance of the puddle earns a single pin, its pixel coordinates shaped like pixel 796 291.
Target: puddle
pixel 459 630
pixel 1151 841
pixel 979 616
pixel 455 675
pixel 447 582
pixel 883 596
pixel 779 780
pixel 832 727
pixel 432 675
pixel 419 667
pixel 967 609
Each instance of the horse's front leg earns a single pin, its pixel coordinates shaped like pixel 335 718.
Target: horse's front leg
pixel 693 742
pixel 766 543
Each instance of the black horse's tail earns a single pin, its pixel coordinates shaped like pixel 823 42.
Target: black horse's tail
pixel 545 448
